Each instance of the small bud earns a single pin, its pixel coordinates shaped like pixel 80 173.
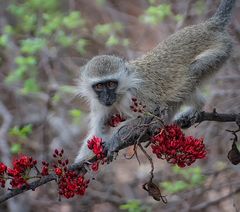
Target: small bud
pixel 56 151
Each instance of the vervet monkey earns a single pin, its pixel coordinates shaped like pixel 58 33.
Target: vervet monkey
pixel 168 75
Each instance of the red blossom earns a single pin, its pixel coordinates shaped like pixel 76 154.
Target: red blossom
pixel 172 145
pixel 115 120
pixel 58 171
pixel 95 166
pixel 95 144
pixel 45 171
pixel 3 168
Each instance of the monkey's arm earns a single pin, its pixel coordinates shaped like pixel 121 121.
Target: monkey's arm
pixel 97 128
pixel 84 152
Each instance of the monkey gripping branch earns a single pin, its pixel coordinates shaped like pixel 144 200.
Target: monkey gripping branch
pixel 167 142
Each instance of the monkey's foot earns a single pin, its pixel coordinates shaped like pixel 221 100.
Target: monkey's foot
pixel 187 119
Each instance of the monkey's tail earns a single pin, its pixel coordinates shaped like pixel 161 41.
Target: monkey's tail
pixel 223 14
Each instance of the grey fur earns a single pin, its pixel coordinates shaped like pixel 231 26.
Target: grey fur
pixel 104 65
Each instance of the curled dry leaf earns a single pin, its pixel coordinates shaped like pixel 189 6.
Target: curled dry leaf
pixel 234 154
pixel 154 191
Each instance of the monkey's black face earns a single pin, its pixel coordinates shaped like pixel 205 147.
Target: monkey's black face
pixel 106 91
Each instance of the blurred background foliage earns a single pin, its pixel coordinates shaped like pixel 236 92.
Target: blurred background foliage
pixel 43 44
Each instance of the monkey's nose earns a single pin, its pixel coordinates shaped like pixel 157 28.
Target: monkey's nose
pixel 108 103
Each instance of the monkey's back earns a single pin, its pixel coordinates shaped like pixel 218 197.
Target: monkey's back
pixel 166 68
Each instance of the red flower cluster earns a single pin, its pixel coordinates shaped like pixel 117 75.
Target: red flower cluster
pixel 21 167
pixel 137 106
pixel 96 145
pixel 71 184
pixel 115 120
pixel 172 145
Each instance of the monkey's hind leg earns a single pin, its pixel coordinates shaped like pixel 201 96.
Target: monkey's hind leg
pixel 209 61
pixel 187 118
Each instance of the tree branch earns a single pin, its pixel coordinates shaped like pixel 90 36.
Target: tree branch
pixel 125 137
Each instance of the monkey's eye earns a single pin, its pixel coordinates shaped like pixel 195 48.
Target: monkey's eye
pixel 112 84
pixel 99 86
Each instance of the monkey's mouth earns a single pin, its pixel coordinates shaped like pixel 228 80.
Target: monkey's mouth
pixel 107 103
pixel 108 100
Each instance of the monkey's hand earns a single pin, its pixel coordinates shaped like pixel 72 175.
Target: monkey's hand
pixel 111 149
pixel 188 118
pixel 132 132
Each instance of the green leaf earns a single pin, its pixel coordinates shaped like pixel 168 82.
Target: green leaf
pixel 21 61
pixel 26 130
pixel 76 116
pixel 32 45
pixel 132 206
pixel 29 22
pixel 174 187
pixel 16 10
pixel 23 132
pixel 75 113
pixel 178 18
pixel 30 86
pixel 112 41
pixel 8 29
pixel 16 75
pixel 63 39
pixel 52 23
pixel 47 5
pixel 156 14
pixel 102 29
pixel 73 20
pixel 81 45
pixel 3 40
pixel 16 148
pixel 107 29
